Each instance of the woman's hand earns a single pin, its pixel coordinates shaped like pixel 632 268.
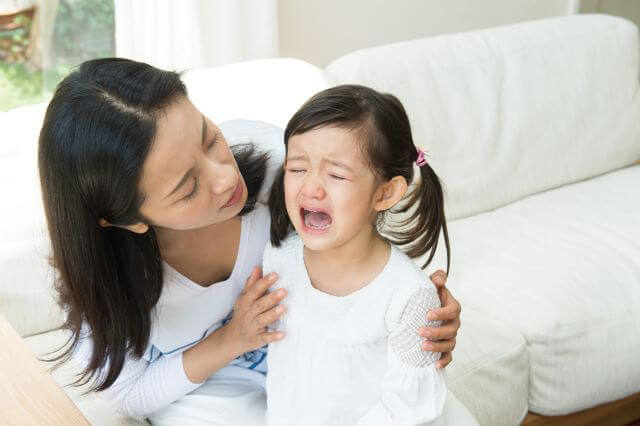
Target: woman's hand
pixel 253 311
pixel 443 338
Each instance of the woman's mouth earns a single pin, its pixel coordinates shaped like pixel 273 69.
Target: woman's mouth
pixel 315 219
pixel 236 196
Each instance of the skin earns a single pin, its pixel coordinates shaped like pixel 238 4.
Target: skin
pixel 196 231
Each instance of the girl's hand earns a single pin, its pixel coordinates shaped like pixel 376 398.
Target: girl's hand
pixel 442 339
pixel 253 311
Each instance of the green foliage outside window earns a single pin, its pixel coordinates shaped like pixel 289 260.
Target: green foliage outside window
pixel 83 29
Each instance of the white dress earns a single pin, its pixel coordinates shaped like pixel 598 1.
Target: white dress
pixel 357 359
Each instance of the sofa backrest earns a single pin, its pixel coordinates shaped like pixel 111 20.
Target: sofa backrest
pixel 511 111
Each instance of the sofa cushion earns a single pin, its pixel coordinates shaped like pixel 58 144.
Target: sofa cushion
pixel 268 90
pixel 562 268
pixel 507 112
pixel 490 364
pixel 26 281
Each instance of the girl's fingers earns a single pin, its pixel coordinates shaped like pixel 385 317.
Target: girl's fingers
pixel 270 316
pixel 444 332
pixel 444 360
pixel 271 336
pixel 439 346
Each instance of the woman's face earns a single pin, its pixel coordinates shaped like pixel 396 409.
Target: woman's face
pixel 190 178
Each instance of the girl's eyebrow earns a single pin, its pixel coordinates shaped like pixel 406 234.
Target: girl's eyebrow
pixel 338 164
pixel 324 160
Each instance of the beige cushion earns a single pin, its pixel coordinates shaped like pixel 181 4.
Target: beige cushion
pixel 489 373
pixel 562 268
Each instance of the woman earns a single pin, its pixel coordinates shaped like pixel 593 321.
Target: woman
pixel 157 235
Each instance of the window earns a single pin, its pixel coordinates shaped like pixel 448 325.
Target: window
pixel 41 41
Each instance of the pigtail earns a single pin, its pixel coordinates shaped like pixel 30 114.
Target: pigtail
pixel 420 231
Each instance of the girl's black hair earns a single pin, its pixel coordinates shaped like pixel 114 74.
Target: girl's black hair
pixel 385 132
pixel 97 132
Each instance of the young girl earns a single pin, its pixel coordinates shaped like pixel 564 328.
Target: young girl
pixel 352 354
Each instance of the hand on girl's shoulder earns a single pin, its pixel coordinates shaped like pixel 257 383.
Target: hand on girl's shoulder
pixel 415 296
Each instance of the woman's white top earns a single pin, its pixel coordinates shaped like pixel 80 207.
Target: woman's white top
pixel 356 359
pixel 187 312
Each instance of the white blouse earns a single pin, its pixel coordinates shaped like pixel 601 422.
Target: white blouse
pixel 357 359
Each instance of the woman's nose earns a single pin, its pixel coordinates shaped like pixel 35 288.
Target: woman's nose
pixel 222 179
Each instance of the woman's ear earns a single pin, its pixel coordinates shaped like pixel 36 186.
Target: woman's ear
pixel 390 193
pixel 138 228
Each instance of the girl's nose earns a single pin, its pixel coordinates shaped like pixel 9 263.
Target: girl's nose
pixel 313 188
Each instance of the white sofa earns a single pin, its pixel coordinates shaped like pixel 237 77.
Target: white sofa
pixel 535 131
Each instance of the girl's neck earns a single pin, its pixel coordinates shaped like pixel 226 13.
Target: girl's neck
pixel 345 269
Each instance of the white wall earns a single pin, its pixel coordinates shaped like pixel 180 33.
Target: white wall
pixel 319 31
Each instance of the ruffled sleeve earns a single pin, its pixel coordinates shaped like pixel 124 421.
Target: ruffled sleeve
pixel 413 390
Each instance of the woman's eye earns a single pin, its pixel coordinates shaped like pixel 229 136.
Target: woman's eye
pixel 194 192
pixel 336 177
pixel 213 142
pixel 295 170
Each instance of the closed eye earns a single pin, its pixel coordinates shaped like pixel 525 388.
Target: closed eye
pixel 193 192
pixel 296 170
pixel 336 177
pixel 213 142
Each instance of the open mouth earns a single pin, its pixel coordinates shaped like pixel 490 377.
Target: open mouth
pixel 315 219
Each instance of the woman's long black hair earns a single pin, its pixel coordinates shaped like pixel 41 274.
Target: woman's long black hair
pixel 385 135
pixel 97 132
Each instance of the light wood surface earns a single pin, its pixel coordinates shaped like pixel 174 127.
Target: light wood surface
pixel 28 394
pixel 617 413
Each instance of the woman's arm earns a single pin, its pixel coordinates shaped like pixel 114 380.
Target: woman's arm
pixel 144 387
pixel 443 338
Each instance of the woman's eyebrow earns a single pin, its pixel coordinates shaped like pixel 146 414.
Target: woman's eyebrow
pixel 190 171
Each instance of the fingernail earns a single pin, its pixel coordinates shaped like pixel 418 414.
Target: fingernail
pixel 427 346
pixel 280 293
pixel 431 316
pixel 280 309
pixel 272 276
pixel 427 334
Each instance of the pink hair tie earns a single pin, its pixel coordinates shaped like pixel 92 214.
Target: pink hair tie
pixel 422 159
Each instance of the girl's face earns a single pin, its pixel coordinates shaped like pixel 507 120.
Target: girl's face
pixel 190 178
pixel 330 191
